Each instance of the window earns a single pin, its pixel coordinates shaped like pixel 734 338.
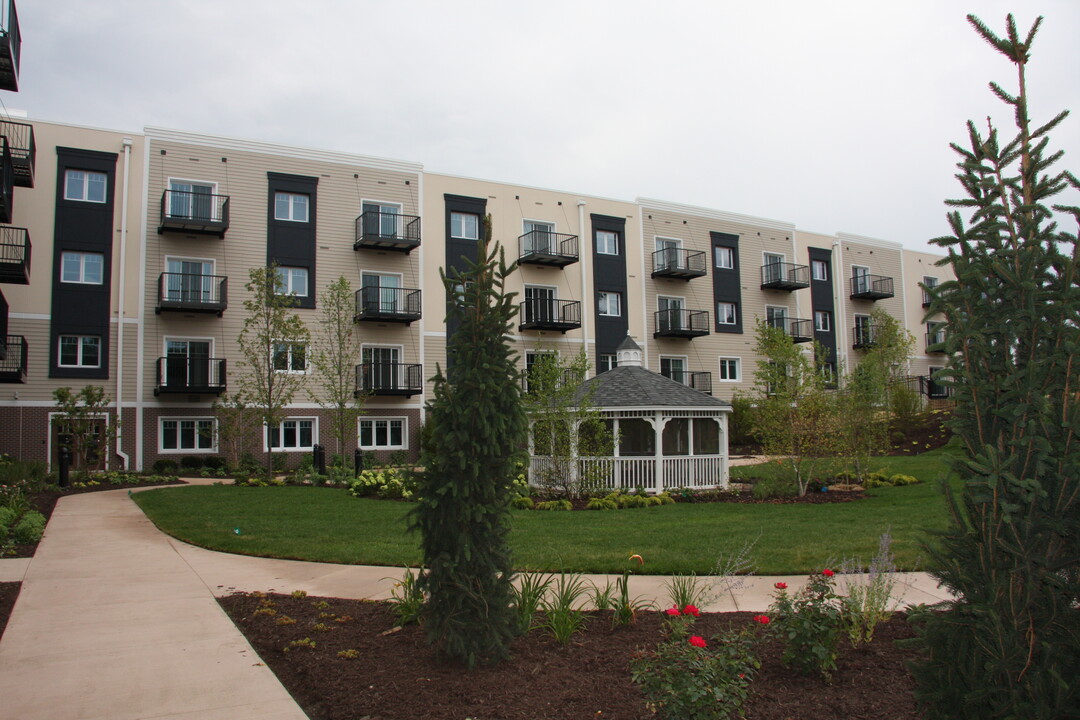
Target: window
pixel 864 331
pixel 293 434
pixel 929 283
pixel 860 279
pixel 819 270
pixel 84 268
pixel 291 206
pixel 465 226
pixel 774 268
pixel 382 219
pixel 382 433
pixel 188 434
pixel 84 185
pixel 539 237
pixel 674 368
pixel 729 369
pixel 724 257
pixel 828 374
pixel 292 280
pixel 290 357
pixel 192 200
pixel 609 304
pixel 726 313
pixel 822 321
pixel 80 351
pixel 607 242
pixel 606 362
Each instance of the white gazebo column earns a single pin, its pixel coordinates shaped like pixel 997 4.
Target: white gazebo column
pixel 722 420
pixel 658 423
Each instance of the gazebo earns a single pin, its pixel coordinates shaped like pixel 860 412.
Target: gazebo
pixel 667 435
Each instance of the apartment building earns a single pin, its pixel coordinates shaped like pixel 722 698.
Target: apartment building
pixel 143 243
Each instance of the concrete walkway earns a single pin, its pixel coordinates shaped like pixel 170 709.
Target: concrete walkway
pixel 117 621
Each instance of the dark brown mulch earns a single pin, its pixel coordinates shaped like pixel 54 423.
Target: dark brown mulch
pixel 927 432
pixel 8 592
pixel 396 676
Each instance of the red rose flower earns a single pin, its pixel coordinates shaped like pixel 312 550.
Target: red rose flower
pixel 697 641
pixel 673 611
pixel 827 572
pixel 692 610
pixel 781 586
pixel 763 619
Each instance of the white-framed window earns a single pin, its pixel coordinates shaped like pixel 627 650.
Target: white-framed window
pixel 860 279
pixel 606 362
pixel 729 369
pixel 674 368
pixel 80 351
pixel 607 242
pixel 819 270
pixel 85 268
pixel 291 206
pixel 292 281
pixel 609 304
pixel 85 185
pixel 724 257
pixel 295 434
pixel 193 200
pixel 822 320
pixel 726 313
pixel 382 218
pixel 383 433
pixel 929 283
pixel 290 357
pixel 187 434
pixel 465 226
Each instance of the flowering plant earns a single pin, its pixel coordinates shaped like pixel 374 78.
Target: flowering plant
pixel 809 624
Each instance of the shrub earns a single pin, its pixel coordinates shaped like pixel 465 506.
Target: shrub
pixel 389 483
pixel 899 479
pixel 278 462
pixel 522 502
pixel 215 462
pixel 653 501
pixel 559 505
pixel 407 598
pixel 602 504
pixel 29 528
pixel 666 499
pixel 191 462
pixel 7 520
pixel 809 625
pixel 775 487
pixel 528 596
pixel 165 466
pixel 633 501
pixel 875 480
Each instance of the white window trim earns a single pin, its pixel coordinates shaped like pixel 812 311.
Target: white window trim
pixel 381 203
pixel 615 235
pixel 738 370
pixel 657 238
pixel 288 290
pixel 735 315
pixel 86 186
pixel 828 321
pixel 479 225
pixel 730 254
pixel 184 451
pixel 314 434
pixel 289 357
pixel 618 301
pixel 292 206
pixel 765 254
pixel 82 267
pixel 821 263
pixel 553 228
pixel 185 258
pixel 80 366
pixel 372 419
pixel 176 338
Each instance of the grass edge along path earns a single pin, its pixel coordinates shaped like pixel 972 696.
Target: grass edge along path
pixel 328 525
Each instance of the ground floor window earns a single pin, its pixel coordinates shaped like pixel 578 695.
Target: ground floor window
pixel 293 434
pixel 197 434
pixel 382 433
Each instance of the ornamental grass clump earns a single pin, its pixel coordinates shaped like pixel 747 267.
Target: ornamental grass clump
pixel 625 607
pixel 809 623
pixel 528 595
pixel 561 618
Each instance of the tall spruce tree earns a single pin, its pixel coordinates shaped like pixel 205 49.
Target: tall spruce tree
pixel 476 432
pixel 1009 645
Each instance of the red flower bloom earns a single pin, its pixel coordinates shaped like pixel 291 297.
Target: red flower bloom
pixel 692 610
pixel 781 586
pixel 697 641
pixel 827 572
pixel 673 611
pixel 763 619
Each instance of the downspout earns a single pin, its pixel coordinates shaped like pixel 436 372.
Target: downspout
pixel 120 300
pixel 841 312
pixel 585 306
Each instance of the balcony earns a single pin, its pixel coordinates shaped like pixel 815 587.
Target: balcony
pixel 389 379
pixel 784 276
pixel 676 323
pixel 15 255
pixel 550 314
pixel 190 375
pixel 194 213
pixel 678 263
pixel 377 303
pixel 543 247
pixel 192 293
pixel 864 337
pixel 13 364
pixel 387 231
pixel 20 137
pixel 10 47
pixel 935 341
pixel 701 381
pixel 871 287
pixel 798 329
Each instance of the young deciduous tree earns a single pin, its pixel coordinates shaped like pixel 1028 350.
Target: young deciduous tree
pixel 84 430
pixel 334 354
pixel 476 430
pixel 273 348
pixel 1009 645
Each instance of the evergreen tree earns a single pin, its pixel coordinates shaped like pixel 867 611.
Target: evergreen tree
pixel 476 430
pixel 1009 645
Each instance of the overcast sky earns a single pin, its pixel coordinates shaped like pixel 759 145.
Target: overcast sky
pixel 833 115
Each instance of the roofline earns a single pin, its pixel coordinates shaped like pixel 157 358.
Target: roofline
pixel 554 191
pixel 864 240
pixel 715 214
pixel 654 408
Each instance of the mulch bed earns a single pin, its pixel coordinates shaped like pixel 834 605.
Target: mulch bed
pixel 397 677
pixel 8 592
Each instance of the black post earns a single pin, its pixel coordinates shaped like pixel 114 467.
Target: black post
pixel 64 466
pixel 358 461
pixel 318 458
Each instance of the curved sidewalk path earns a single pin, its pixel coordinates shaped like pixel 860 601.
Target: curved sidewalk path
pixel 117 621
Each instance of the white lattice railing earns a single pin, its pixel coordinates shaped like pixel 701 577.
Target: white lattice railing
pixel 701 471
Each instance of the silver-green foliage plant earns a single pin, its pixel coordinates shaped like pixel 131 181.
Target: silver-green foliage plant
pixel 868 597
pixel 1009 644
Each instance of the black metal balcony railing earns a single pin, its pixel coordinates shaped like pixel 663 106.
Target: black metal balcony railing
pixel 864 336
pixel 185 374
pixel 15 255
pixel 678 263
pixel 23 150
pixel 550 314
pixel 10 47
pixel 384 378
pixel 387 231
pixel 798 329
pixel 13 366
pixel 544 247
pixel 387 304
pixel 7 182
pixel 935 341
pixel 189 292
pixel 681 323
pixel 871 287
pixel 784 276
pixel 926 299
pixel 3 325
pixel 701 381
pixel 926 386
pixel 194 212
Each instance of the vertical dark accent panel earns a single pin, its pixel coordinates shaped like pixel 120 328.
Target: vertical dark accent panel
pixel 821 298
pixel 609 275
pixel 82 226
pixel 460 252
pixel 288 242
pixel 727 285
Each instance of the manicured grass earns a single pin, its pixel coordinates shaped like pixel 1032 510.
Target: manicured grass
pixel 328 525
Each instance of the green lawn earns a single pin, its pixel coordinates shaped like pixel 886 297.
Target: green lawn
pixel 328 525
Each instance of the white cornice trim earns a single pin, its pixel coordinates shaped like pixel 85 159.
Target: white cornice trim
pixel 864 240
pixel 715 214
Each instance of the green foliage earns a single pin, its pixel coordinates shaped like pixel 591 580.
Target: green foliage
pixel 522 502
pixel 1011 641
pixel 775 487
pixel 562 615
pixel 478 429
pixel 601 504
pixel 630 500
pixel 685 590
pixel 407 599
pixel 335 348
pixel 899 479
pixel 866 600
pixel 742 421
pixel 625 607
pixel 560 505
pixel 29 528
pixel 808 623
pixel 528 596
pixel 390 483
pixel 83 426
